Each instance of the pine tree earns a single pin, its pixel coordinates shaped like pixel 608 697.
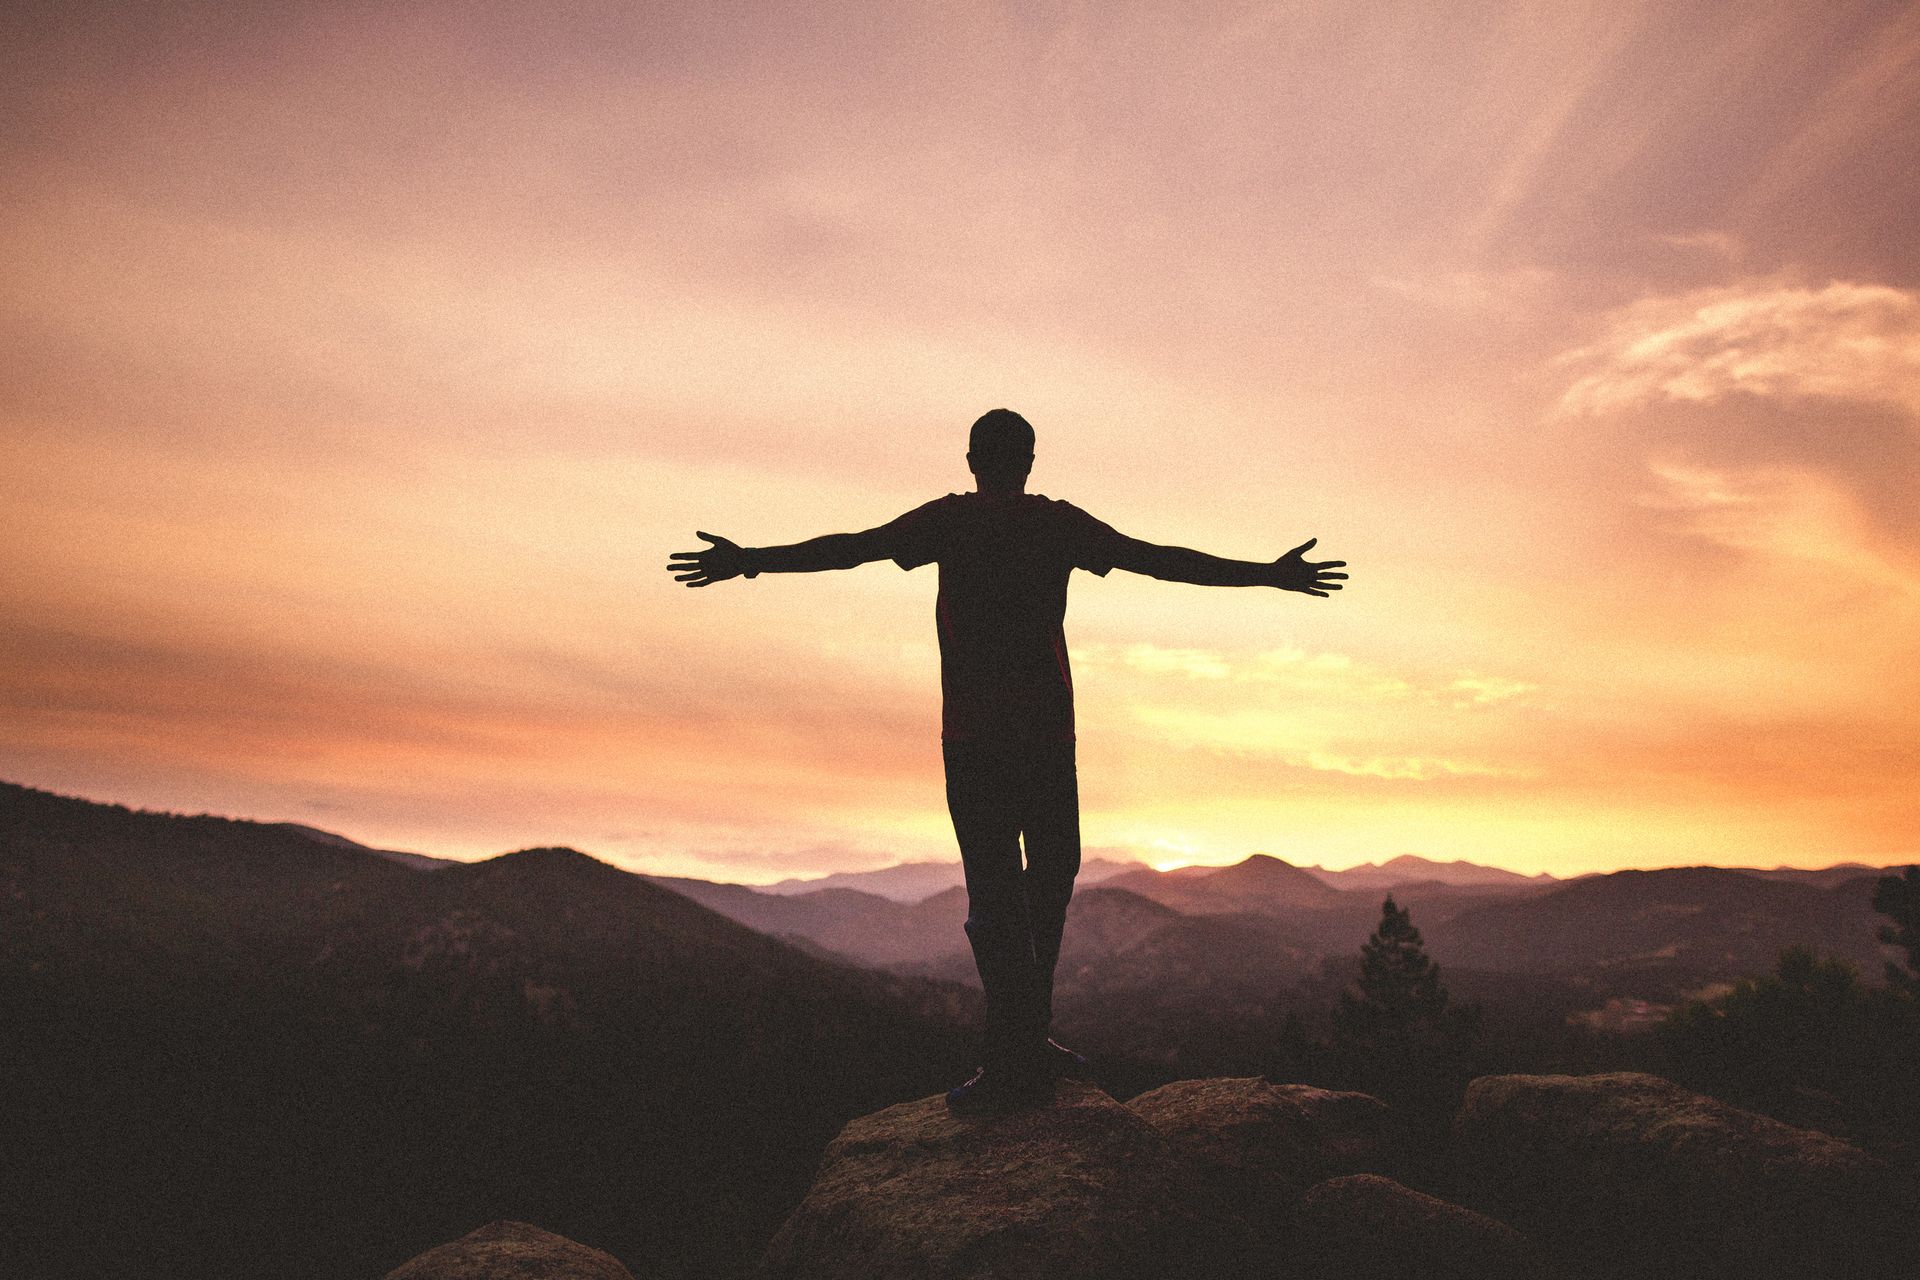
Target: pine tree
pixel 1897 897
pixel 1399 990
pixel 1396 1037
pixel 1394 1032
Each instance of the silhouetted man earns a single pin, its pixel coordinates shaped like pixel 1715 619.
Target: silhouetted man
pixel 1007 710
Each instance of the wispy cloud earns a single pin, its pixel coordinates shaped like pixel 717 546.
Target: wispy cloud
pixel 1782 513
pixel 1845 340
pixel 1295 742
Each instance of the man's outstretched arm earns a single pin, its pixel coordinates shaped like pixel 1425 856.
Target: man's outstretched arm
pixel 1178 564
pixel 726 559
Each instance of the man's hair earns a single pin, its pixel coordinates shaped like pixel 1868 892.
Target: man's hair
pixel 1001 440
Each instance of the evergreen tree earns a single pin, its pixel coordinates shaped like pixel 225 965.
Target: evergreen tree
pixel 1898 899
pixel 1807 1025
pixel 1396 1036
pixel 1399 990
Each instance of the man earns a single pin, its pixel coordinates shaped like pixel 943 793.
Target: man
pixel 1007 710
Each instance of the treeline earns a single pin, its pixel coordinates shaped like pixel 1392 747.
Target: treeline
pixel 1813 1043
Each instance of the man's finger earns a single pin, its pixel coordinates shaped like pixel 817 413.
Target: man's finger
pixel 687 555
pixel 1328 564
pixel 1310 591
pixel 1329 575
pixel 1302 548
pixel 701 533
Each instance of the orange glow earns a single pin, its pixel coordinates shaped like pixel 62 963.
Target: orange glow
pixel 365 368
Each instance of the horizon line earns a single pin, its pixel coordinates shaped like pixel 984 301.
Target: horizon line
pixel 1104 855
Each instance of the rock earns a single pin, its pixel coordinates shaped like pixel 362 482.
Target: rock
pixel 511 1251
pixel 1079 1189
pixel 1366 1225
pixel 1634 1168
pixel 1258 1145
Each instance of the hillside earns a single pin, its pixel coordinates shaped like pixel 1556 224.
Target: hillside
pixel 1410 868
pixel 228 1039
pixel 1696 924
pixel 915 881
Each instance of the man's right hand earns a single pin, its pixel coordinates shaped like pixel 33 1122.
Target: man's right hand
pixel 1314 578
pixel 723 560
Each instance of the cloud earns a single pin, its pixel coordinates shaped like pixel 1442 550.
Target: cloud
pixel 1336 676
pixel 1506 295
pixel 1781 512
pixel 1480 691
pixel 1846 340
pixel 1199 664
pixel 1771 418
pixel 1281 737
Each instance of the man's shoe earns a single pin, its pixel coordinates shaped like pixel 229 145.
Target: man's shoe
pixel 1065 1062
pixel 993 1090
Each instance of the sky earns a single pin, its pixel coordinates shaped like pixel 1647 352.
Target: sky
pixel 364 362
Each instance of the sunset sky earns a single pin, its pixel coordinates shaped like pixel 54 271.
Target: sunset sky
pixel 363 363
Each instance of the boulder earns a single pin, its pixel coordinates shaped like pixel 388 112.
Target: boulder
pixel 1662 1181
pixel 1257 1145
pixel 1366 1225
pixel 511 1251
pixel 1077 1190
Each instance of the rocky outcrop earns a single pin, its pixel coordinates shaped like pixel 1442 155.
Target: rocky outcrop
pixel 1366 1225
pixel 1082 1189
pixel 1621 1177
pixel 1258 1145
pixel 511 1251
pixel 1635 1169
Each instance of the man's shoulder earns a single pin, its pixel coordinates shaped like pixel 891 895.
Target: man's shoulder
pixel 935 507
pixel 1065 511
pixel 1040 501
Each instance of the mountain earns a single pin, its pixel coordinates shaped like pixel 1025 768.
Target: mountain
pixel 862 928
pixel 1824 877
pixel 1409 868
pixel 418 861
pixel 916 881
pixel 1259 883
pixel 839 920
pixel 1435 900
pixel 213 1021
pixel 1691 925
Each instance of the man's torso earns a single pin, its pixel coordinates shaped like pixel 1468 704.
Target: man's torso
pixel 1004 563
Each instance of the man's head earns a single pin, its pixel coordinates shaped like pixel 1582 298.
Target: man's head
pixel 1000 449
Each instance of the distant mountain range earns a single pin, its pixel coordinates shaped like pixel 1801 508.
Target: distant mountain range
pixel 1666 929
pixel 1700 924
pixel 1410 868
pixel 913 881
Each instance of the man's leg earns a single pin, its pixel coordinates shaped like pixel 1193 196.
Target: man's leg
pixel 983 795
pixel 1050 818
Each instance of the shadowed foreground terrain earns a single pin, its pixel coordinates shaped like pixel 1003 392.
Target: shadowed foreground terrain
pixel 1621 1177
pixel 239 1048
pixel 233 1049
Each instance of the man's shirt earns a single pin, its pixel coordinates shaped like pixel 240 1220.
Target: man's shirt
pixel 1004 562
